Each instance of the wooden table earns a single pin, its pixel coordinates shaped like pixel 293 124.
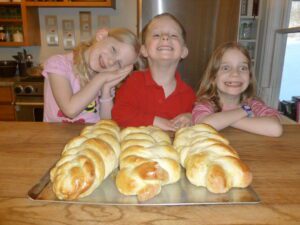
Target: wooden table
pixel 28 150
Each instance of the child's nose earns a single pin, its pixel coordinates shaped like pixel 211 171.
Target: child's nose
pixel 235 72
pixel 164 36
pixel 111 62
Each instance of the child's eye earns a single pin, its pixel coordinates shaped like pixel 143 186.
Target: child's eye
pixel 156 35
pixel 244 68
pixel 225 68
pixel 114 50
pixel 174 35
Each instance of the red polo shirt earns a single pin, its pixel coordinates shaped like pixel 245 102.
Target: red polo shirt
pixel 140 99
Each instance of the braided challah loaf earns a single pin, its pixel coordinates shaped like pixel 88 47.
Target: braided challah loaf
pixel 147 161
pixel 209 160
pixel 86 161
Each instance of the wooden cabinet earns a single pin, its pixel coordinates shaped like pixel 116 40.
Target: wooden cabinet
pixel 249 27
pixel 71 3
pixel 7 109
pixel 16 16
pixel 24 17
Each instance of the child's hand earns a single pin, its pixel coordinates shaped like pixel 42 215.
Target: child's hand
pixel 163 123
pixel 182 120
pixel 114 78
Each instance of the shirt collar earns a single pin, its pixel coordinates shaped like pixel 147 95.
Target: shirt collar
pixel 150 82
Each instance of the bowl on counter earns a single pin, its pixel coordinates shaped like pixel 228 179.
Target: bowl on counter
pixel 8 68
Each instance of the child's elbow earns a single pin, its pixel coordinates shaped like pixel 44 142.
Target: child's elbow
pixel 70 113
pixel 277 130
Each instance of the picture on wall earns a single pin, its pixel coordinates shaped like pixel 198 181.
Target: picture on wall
pixel 51 30
pixel 85 21
pixel 68 34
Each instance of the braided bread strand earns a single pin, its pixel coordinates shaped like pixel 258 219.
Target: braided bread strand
pixel 86 161
pixel 209 160
pixel 147 162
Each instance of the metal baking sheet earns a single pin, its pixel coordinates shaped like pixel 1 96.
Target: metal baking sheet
pixel 180 193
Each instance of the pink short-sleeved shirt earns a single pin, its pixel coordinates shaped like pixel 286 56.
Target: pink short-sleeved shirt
pixel 62 65
pixel 259 109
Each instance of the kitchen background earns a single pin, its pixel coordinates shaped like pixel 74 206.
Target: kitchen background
pixel 124 9
pixel 274 56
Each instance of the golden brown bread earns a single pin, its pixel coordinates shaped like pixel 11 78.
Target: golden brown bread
pixel 147 161
pixel 86 161
pixel 209 160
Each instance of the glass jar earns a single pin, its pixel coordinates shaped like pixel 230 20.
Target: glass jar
pixel 247 30
pixel 2 34
pixel 18 36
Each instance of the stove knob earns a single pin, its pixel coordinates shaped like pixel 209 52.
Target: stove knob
pixel 28 89
pixel 19 89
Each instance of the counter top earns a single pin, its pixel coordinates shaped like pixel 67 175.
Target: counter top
pixel 9 81
pixel 28 150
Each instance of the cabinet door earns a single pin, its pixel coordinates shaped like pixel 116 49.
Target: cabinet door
pixel 21 22
pixel 6 95
pixel 7 113
pixel 71 3
pixel 7 109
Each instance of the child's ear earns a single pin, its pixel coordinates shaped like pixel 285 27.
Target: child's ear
pixel 101 34
pixel 144 51
pixel 185 52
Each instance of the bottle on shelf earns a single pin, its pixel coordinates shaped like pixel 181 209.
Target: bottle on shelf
pixel 17 36
pixel 246 30
pixel 2 33
pixel 8 34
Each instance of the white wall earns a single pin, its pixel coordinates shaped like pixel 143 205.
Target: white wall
pixel 125 15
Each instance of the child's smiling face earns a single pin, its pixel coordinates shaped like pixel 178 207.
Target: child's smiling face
pixel 110 54
pixel 164 41
pixel 233 76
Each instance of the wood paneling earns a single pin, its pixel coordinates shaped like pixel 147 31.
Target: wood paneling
pixel 217 23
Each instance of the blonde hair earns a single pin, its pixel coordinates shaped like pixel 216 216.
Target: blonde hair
pixel 207 91
pixel 145 30
pixel 120 34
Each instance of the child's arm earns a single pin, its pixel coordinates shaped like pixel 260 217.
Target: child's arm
pixel 182 120
pixel 266 125
pixel 73 104
pixel 221 120
pixel 106 100
pixel 266 120
pixel 163 123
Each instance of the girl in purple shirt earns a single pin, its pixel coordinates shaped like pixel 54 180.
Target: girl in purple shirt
pixel 226 96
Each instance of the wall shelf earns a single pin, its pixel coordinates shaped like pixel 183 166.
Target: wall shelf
pixel 249 21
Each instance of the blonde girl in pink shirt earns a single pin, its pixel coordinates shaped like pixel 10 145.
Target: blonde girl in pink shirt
pixel 226 96
pixel 79 86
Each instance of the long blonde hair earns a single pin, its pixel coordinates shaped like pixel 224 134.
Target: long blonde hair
pixel 207 91
pixel 80 65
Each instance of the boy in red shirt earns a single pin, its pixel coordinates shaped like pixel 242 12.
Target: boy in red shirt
pixel 157 96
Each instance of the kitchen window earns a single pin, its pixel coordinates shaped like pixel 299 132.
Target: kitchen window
pixel 280 25
pixel 290 80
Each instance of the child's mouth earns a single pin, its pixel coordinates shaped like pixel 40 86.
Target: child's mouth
pixel 233 84
pixel 165 48
pixel 101 63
